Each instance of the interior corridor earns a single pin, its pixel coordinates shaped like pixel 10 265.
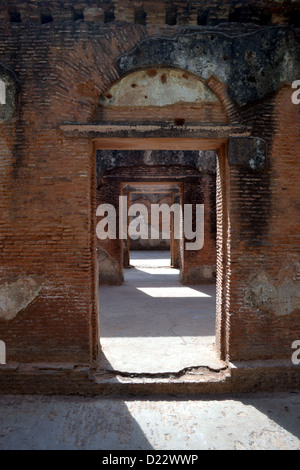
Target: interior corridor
pixel 154 324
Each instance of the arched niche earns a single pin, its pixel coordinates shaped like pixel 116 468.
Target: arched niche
pixel 161 94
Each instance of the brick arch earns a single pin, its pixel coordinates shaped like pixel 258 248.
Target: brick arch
pixel 220 89
pixel 213 86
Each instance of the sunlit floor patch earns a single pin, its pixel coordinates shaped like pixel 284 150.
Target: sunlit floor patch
pixel 154 324
pixel 172 292
pixel 161 263
pixel 162 270
pixel 160 355
pixel 160 259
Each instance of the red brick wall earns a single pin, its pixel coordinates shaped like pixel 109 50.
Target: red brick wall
pixel 47 201
pixel 46 187
pixel 265 232
pixel 180 12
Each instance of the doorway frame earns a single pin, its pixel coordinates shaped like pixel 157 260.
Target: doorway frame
pixel 208 138
pixel 157 183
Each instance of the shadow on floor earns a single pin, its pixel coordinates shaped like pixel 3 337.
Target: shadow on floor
pixel 255 422
pixel 68 423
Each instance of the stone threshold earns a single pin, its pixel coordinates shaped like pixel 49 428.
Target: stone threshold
pixel 83 379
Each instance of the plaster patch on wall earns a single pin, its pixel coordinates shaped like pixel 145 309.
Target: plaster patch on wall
pixel 16 296
pixel 247 152
pixel 281 299
pixel 158 87
pixel 108 268
pixel 200 274
pixel 257 63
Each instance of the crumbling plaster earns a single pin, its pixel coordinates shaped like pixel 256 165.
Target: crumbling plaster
pixel 15 296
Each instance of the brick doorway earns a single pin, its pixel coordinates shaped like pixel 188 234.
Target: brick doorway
pixel 156 236
pixel 218 146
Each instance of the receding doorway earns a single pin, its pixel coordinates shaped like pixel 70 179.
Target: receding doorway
pixel 152 323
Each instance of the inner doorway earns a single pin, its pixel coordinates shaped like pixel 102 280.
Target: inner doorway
pixel 152 235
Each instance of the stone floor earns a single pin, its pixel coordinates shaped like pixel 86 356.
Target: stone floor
pixel 254 422
pixel 154 324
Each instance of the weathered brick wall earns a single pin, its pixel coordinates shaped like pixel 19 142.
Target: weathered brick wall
pixel 264 284
pixel 46 189
pixel 47 203
pixel 171 12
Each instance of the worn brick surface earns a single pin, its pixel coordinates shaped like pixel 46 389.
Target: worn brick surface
pixel 48 181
